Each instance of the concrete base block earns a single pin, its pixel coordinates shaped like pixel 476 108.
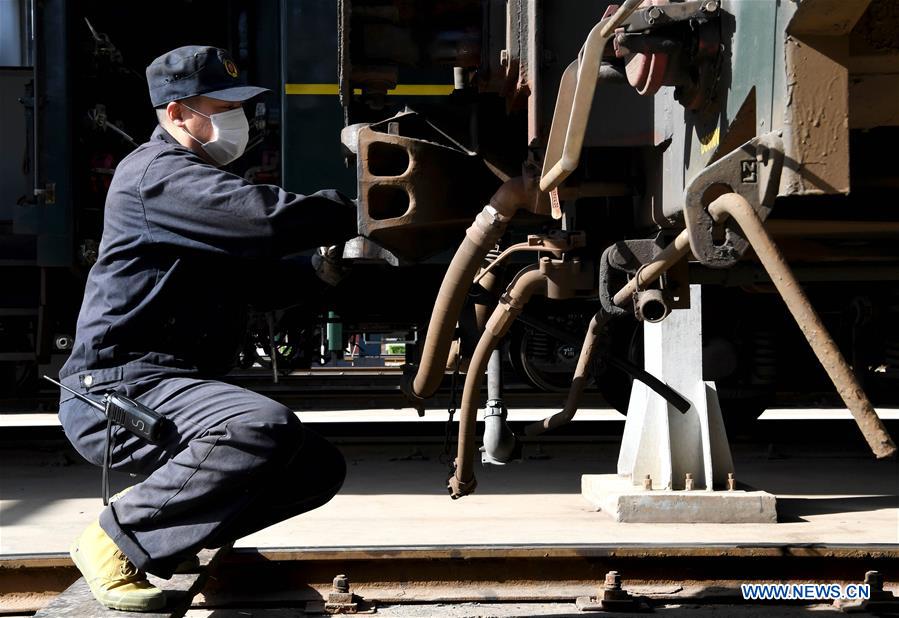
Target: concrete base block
pixel 624 502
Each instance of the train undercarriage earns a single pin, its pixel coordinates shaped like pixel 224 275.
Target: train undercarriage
pixel 544 179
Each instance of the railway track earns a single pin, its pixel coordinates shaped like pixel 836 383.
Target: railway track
pixel 659 574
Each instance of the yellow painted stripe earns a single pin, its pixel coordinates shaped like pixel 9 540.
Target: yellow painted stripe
pixel 424 90
pixel 420 90
pixel 310 88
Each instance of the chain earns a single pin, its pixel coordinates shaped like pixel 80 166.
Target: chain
pixel 451 410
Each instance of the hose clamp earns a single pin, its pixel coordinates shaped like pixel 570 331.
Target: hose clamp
pixel 458 488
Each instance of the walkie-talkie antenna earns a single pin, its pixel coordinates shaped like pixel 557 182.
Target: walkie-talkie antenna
pixel 87 400
pixel 104 481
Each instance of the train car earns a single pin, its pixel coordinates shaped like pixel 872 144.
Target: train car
pixel 561 161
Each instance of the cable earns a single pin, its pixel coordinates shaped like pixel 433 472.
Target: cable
pixel 107 455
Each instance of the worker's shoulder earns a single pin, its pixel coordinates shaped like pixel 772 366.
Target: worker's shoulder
pixel 131 168
pixel 157 149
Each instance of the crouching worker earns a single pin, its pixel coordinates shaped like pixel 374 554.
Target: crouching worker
pixel 184 246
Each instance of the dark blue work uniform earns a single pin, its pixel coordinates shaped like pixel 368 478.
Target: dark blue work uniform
pixel 184 247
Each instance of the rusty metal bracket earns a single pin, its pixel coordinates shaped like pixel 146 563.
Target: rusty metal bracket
pixel 418 188
pixel 751 171
pixel 556 242
pixel 673 44
pixel 658 15
pixel 626 256
pixel 565 278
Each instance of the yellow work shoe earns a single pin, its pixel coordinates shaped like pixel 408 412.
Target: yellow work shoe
pixel 191 564
pixel 114 581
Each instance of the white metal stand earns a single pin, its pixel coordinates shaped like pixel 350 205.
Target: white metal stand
pixel 663 445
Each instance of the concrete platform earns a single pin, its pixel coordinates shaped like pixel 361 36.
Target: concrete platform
pixel 395 496
pixel 625 502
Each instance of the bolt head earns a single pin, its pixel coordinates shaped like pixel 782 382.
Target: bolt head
pixel 613 580
pixel 341 583
pixel 654 13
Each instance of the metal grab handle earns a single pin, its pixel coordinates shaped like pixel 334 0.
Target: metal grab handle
pixel 575 100
pixel 819 339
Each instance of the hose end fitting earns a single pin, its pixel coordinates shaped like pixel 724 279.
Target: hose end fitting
pixel 458 488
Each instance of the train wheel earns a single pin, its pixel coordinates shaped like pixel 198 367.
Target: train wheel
pixel 543 361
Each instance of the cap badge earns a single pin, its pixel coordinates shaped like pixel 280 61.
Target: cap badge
pixel 230 67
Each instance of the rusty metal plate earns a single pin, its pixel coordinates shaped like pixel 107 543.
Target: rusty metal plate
pixel 753 171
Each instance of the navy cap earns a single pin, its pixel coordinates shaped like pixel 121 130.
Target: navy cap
pixel 197 70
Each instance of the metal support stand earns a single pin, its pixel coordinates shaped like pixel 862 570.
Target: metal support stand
pixel 676 467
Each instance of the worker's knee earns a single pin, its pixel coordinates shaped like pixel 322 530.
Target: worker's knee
pixel 278 417
pixel 272 430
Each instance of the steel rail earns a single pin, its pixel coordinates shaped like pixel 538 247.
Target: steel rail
pixel 460 573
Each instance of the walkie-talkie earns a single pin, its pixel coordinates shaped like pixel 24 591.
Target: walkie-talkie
pixel 137 418
pixel 132 415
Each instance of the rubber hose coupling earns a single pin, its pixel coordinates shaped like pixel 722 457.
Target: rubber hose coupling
pixel 458 488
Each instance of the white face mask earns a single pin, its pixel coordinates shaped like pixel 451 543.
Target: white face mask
pixel 231 132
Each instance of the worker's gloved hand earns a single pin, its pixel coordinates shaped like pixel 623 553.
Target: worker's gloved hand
pixel 329 265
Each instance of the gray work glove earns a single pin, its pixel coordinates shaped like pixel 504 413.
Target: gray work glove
pixel 329 265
